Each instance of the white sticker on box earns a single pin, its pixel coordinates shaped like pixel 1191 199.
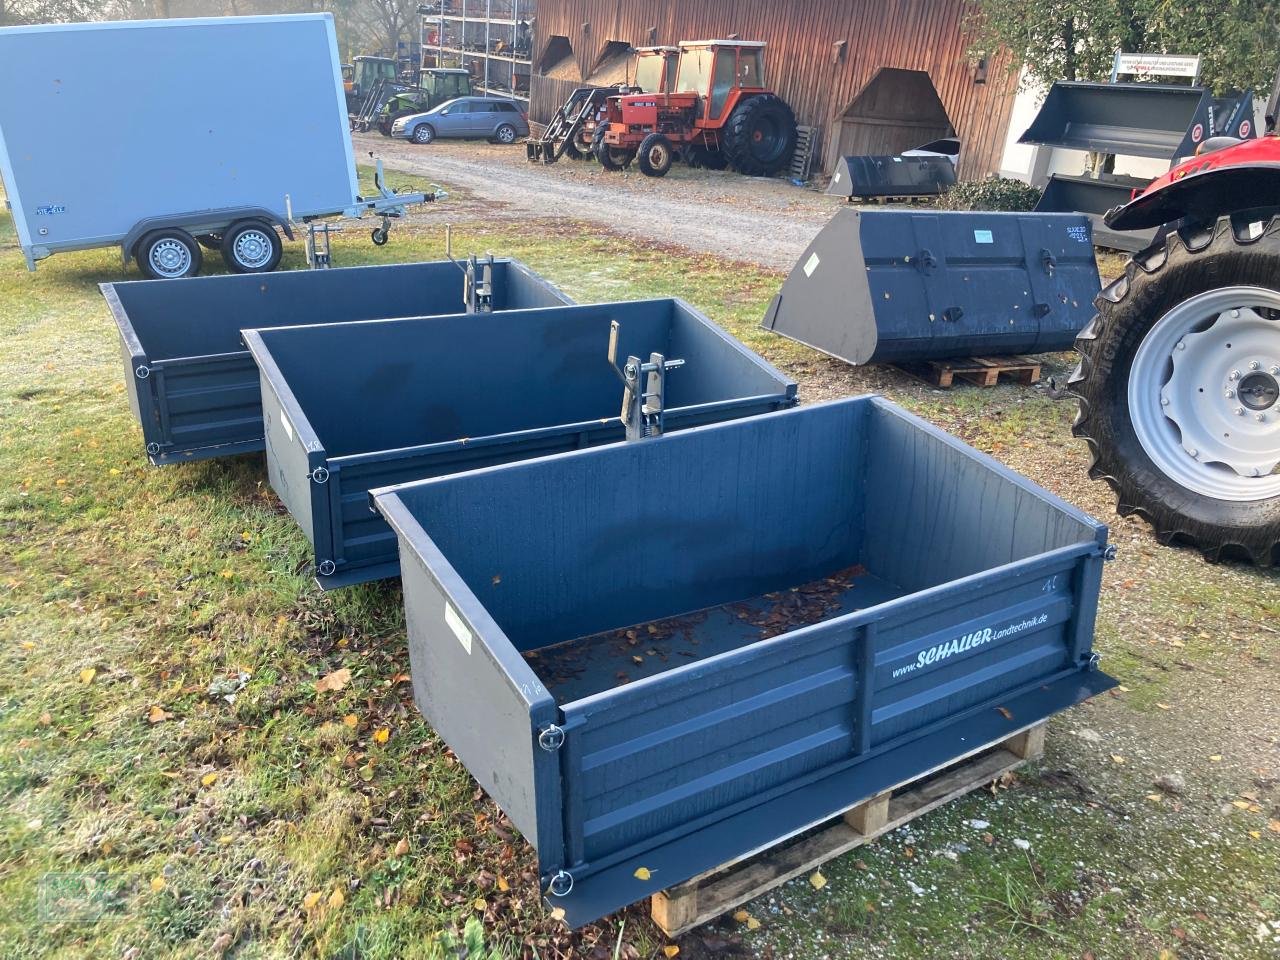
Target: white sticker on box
pixel 811 265
pixel 836 178
pixel 457 626
pixel 288 427
pixel 983 236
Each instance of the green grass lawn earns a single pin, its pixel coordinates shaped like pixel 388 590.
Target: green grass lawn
pixel 173 783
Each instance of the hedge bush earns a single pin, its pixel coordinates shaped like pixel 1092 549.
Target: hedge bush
pixel 993 193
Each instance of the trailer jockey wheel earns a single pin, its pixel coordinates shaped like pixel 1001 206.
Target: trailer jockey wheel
pixel 378 236
pixel 168 254
pixel 1179 387
pixel 655 155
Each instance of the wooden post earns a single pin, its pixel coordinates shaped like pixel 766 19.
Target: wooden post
pixel 1029 744
pixel 870 816
pixel 676 908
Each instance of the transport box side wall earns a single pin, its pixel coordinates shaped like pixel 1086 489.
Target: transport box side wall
pixel 987 630
pixel 107 124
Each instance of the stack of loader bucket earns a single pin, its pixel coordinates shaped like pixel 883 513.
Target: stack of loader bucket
pixel 894 286
pixel 901 176
pixel 1158 121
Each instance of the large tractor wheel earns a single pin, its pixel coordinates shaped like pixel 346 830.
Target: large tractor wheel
pixel 760 136
pixel 611 158
pixel 699 156
pixel 1179 387
pixel 655 155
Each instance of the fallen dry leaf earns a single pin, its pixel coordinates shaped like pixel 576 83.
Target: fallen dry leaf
pixel 1164 706
pixel 557 913
pixel 158 883
pixel 1216 758
pixel 351 720
pixel 209 779
pixel 381 736
pixel 311 900
pixel 87 675
pixel 1116 758
pixel 1274 826
pixel 642 873
pixel 45 719
pixel 753 924
pixel 503 885
pixel 817 880
pixel 158 714
pixel 742 916
pixel 402 847
pixel 480 904
pixel 337 898
pixel 335 681
pixel 1005 712
pixel 670 950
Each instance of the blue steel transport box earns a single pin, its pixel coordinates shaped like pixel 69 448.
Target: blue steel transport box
pixel 671 653
pixel 353 406
pixel 192 385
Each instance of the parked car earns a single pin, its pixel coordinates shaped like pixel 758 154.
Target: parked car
pixel 490 118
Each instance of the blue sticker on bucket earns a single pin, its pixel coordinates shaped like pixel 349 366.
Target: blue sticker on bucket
pixel 49 209
pixel 983 236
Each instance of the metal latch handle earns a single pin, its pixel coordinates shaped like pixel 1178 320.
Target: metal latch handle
pixel 642 409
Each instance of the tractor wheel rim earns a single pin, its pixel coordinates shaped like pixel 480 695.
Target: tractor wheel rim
pixel 1203 394
pixel 252 249
pixel 764 139
pixel 657 155
pixel 169 258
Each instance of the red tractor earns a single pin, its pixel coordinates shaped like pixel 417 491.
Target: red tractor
pixel 1179 379
pixel 719 113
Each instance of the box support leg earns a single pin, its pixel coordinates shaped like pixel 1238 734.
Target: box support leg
pixel 870 816
pixel 1029 744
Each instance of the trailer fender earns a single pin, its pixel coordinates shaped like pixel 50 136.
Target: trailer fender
pixel 205 221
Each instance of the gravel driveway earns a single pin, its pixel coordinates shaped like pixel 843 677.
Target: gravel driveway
pixel 764 221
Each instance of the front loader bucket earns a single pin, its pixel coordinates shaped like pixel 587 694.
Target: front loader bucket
pixel 1129 119
pixel 890 286
pixel 892 177
pixel 1093 198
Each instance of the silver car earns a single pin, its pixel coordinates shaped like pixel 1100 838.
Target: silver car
pixel 489 118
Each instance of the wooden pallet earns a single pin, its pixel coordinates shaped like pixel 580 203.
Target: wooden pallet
pixel 983 371
pixel 702 899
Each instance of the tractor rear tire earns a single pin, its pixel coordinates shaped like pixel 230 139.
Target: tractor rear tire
pixel 699 156
pixel 655 155
pixel 760 136
pixel 1177 386
pixel 611 158
pixel 575 152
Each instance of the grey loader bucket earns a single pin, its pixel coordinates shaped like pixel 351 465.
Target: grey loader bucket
pixel 889 286
pixel 1094 198
pixel 1131 119
pixel 892 177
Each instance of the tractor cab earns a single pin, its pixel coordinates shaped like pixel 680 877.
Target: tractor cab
pixel 367 71
pixel 656 69
pixel 441 84
pixel 720 72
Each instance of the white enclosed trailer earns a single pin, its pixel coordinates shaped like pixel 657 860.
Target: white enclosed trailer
pixel 165 135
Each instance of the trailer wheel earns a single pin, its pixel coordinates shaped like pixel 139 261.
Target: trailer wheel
pixel 655 155
pixel 168 254
pixel 760 136
pixel 251 246
pixel 423 134
pixel 1179 389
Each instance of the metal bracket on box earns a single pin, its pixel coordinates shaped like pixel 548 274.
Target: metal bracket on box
pixel 477 284
pixel 642 409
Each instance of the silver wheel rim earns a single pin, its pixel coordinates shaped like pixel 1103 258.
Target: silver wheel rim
pixel 422 134
pixel 252 249
pixel 169 258
pixel 1202 394
pixel 506 134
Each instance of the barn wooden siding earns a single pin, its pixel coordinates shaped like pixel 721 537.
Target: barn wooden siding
pixel 801 61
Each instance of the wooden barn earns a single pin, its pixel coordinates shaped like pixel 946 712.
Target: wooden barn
pixel 876 76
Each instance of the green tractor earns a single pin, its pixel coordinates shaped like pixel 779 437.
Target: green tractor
pixel 365 72
pixel 435 86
